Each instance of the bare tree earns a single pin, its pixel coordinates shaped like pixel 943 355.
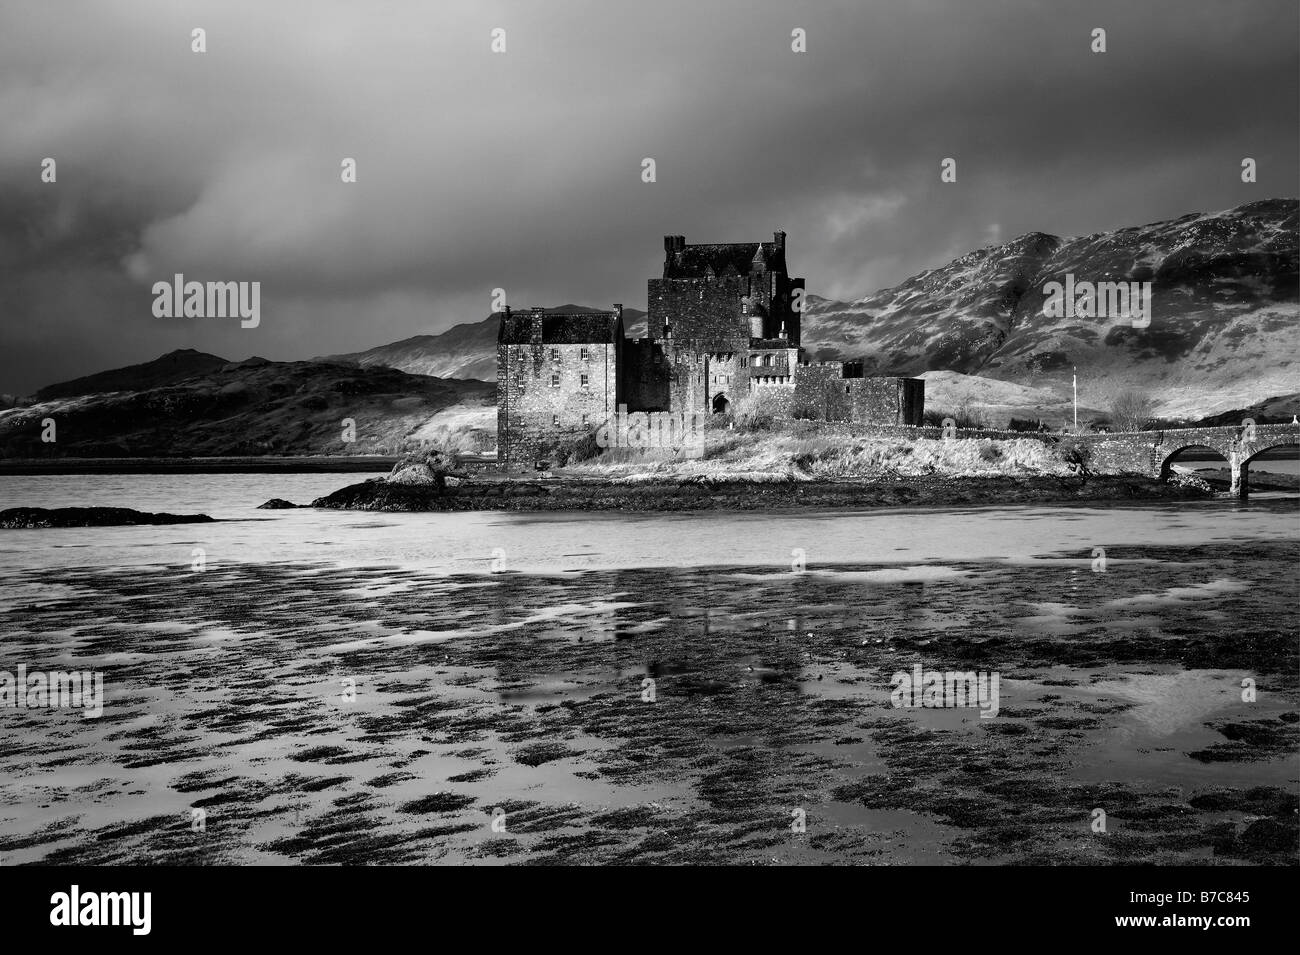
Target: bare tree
pixel 1132 411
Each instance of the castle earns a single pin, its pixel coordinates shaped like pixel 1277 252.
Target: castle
pixel 723 333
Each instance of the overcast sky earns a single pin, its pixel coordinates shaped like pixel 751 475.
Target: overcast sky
pixel 522 170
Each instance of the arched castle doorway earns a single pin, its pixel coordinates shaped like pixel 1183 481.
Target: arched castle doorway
pixel 720 404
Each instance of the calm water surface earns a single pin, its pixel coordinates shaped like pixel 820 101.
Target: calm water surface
pixel 546 542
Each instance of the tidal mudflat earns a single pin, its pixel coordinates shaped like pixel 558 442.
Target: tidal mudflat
pixel 523 697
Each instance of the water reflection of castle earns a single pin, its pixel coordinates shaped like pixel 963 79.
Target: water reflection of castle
pixel 723 332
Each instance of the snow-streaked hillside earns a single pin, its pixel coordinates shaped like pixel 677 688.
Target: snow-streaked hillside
pixel 1223 329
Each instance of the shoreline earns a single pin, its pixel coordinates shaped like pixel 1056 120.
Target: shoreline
pixel 605 495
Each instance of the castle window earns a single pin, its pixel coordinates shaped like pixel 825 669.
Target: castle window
pixel 555 381
pixel 555 354
pixel 583 381
pixel 846 388
pixel 555 421
pixel 583 354
pixel 585 419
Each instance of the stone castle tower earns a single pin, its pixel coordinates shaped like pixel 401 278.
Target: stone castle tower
pixel 723 327
pixel 725 316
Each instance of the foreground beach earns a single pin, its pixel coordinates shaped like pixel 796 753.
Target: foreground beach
pixel 523 696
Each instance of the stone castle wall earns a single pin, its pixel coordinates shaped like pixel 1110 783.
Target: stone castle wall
pixel 705 313
pixel 533 412
pixel 647 374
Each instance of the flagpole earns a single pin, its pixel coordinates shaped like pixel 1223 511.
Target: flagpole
pixel 1076 399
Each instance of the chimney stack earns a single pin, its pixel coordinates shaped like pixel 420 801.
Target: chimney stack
pixel 779 237
pixel 535 324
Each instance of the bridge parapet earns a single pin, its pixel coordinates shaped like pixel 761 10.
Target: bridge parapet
pixel 1120 452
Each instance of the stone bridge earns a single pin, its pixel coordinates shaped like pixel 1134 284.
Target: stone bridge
pixel 1133 452
pixel 1149 452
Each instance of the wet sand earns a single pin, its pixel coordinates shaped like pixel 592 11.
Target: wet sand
pixel 521 696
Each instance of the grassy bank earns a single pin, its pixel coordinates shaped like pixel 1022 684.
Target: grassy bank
pixel 772 456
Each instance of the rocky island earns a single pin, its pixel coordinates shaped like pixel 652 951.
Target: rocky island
pixel 31 517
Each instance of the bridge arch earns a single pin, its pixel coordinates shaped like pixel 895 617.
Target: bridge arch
pixel 1254 449
pixel 1271 443
pixel 1167 457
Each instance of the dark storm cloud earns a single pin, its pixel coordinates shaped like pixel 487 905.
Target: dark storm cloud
pixel 522 170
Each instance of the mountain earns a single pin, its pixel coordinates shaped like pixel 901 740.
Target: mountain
pixel 1222 333
pixel 1222 341
pixel 170 368
pixel 1278 410
pixel 468 350
pixel 255 407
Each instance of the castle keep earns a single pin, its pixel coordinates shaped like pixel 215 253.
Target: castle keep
pixel 723 333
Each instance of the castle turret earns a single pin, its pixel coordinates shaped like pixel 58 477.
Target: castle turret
pixel 752 310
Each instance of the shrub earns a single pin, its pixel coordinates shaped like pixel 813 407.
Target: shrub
pixel 933 419
pixel 749 415
pixel 1025 424
pixel 1077 454
pixel 564 451
pixel 967 416
pixel 1132 411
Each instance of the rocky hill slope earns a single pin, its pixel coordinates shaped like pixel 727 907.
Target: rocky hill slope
pixel 165 370
pixel 254 407
pixel 1222 339
pixel 1223 323
pixel 1222 333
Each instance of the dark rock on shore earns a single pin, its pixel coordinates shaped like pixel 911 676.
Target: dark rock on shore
pixel 507 495
pixel 21 517
pixel 427 468
pixel 276 504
